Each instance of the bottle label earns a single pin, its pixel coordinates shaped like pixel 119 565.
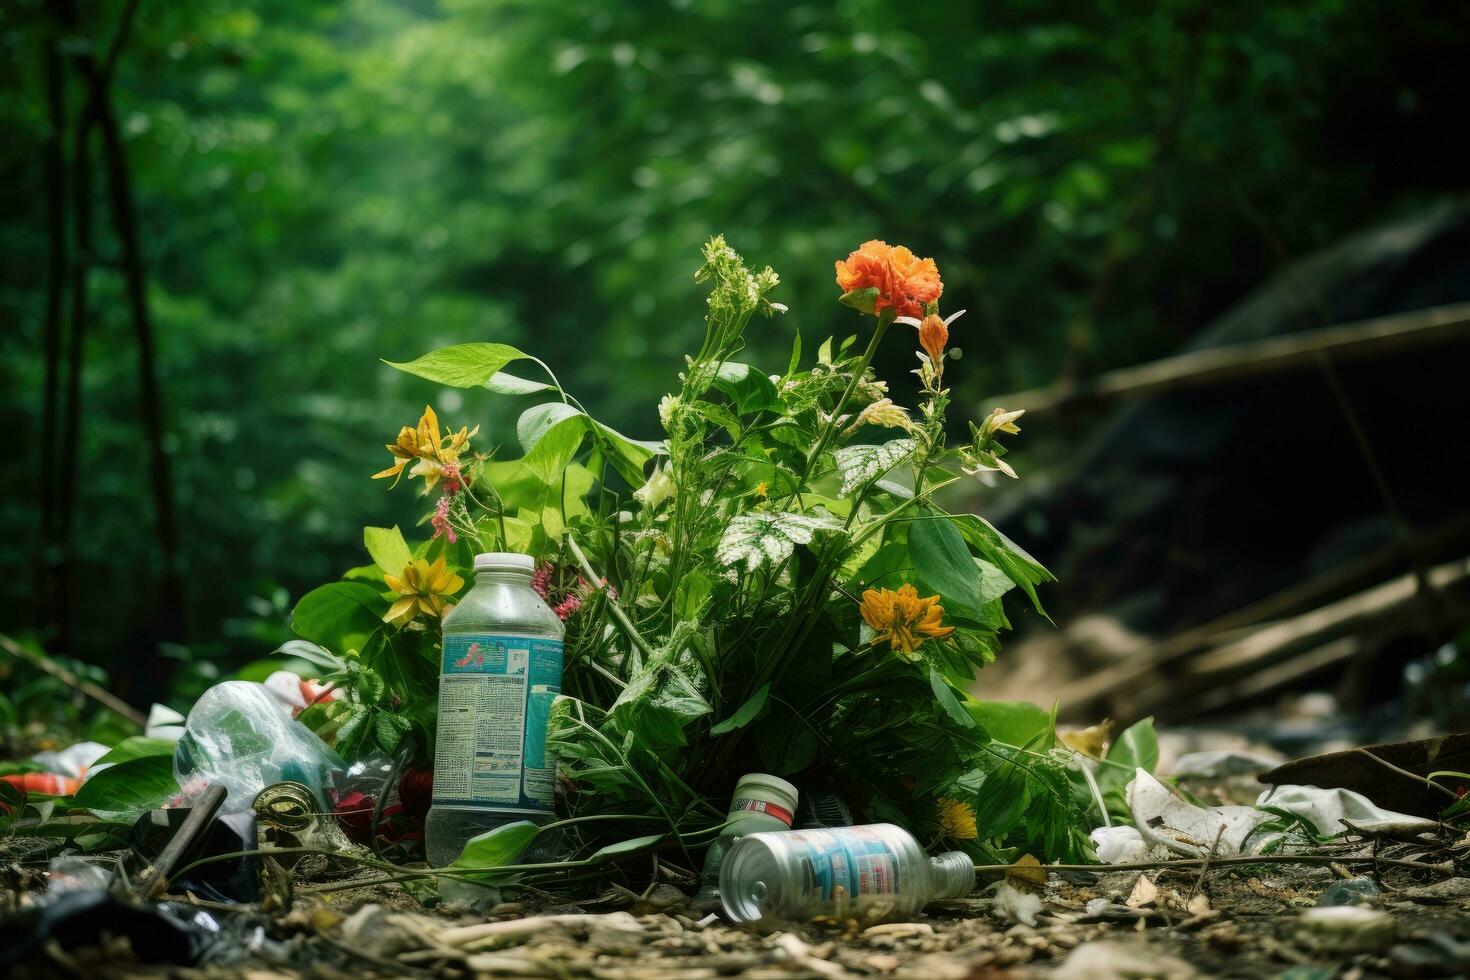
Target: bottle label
pixel 495 694
pixel 843 866
pixel 761 806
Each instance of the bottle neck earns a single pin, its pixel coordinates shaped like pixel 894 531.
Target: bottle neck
pixel 952 875
pixel 502 576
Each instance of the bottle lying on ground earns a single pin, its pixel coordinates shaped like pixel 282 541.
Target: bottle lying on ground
pixel 761 802
pixel 867 873
pixel 501 670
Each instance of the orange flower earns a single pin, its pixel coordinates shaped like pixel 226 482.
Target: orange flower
pixel 902 618
pixel 933 335
pixel 904 281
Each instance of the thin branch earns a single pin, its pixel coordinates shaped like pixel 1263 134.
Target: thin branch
pixel 45 664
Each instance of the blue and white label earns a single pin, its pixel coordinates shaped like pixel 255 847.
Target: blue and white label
pixel 495 694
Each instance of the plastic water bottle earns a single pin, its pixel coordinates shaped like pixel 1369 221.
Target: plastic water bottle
pixel 761 802
pixel 866 873
pixel 500 671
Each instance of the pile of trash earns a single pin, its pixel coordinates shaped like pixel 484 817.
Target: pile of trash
pixel 261 809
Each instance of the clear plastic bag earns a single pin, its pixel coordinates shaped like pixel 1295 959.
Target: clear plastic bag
pixel 238 736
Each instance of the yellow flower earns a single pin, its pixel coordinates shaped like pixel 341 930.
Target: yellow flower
pixel 433 451
pixel 762 489
pixel 957 819
pixel 423 589
pixel 902 618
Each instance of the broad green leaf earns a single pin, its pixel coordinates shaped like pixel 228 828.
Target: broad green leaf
pixel 860 465
pixel 945 695
pixel 555 448
pixel 1014 722
pixel 497 848
pixel 510 384
pixel 889 567
pixel 139 784
pixel 747 388
pixel 461 365
pixel 768 537
pixel 310 652
pixel 1136 748
pixel 339 615
pixel 746 713
pixel 1000 802
pixel 388 549
pixel 629 455
pixel 623 847
pixel 942 559
pixel 137 747
pixel 1004 553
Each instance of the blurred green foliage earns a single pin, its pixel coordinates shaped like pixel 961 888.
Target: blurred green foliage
pixel 324 183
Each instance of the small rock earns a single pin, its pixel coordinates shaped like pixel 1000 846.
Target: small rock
pixel 1346 929
pixel 898 930
pixel 1352 891
pixel 1105 960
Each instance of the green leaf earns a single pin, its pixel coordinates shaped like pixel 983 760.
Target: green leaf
pixel 1136 748
pixel 768 537
pixel 139 784
pixel 550 436
pixel 631 846
pixel 313 654
pixel 137 747
pixel 387 548
pixel 860 465
pixel 339 615
pixel 746 713
pixel 942 559
pixel 1010 557
pixel 509 384
pixel 461 365
pixel 945 695
pixel 862 300
pixel 750 390
pixel 497 848
pixel 1014 722
pixel 628 455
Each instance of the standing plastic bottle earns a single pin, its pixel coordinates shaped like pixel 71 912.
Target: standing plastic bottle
pixel 501 669
pixel 867 873
pixel 761 802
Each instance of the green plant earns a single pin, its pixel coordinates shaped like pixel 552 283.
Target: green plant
pixel 772 585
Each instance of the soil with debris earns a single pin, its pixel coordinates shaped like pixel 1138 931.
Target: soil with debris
pixel 1245 921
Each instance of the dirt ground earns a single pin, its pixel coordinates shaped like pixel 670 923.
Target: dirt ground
pixel 1251 922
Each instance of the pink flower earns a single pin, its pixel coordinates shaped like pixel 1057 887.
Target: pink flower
pixel 453 482
pixel 440 520
pixel 567 606
pixel 541 580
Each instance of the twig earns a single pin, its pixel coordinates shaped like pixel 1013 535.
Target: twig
pixel 1414 776
pixel 1447 870
pixel 1205 868
pixel 103 697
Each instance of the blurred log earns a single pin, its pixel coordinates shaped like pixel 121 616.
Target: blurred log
pixel 1081 698
pixel 1218 365
pixel 1303 641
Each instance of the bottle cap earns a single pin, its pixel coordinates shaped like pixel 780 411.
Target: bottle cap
pixel 953 874
pixel 503 561
pixel 764 793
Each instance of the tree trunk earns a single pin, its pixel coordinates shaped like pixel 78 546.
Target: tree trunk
pixel 54 161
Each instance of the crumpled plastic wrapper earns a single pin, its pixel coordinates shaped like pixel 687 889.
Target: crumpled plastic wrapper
pixel 239 737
